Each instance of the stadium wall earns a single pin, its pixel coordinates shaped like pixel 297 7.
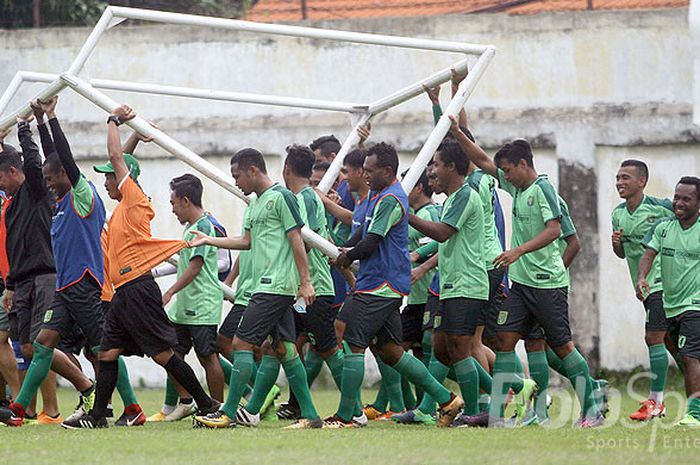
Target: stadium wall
pixel 589 89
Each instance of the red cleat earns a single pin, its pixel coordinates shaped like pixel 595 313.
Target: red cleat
pixel 648 411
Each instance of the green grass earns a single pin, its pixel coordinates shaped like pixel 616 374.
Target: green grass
pixel 380 442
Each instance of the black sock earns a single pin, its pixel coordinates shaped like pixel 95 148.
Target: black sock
pixel 186 400
pixel 183 374
pixel 106 382
pixel 293 402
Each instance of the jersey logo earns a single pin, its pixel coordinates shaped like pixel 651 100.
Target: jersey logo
pixel 269 204
pixel 542 276
pixel 447 286
pixel 48 315
pixel 125 270
pixel 530 201
pixel 265 281
pixel 667 252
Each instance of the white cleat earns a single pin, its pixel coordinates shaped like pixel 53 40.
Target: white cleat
pixel 182 411
pixel 361 421
pixel 245 418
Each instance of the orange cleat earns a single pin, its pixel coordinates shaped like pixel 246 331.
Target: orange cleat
pixel 371 412
pixel 44 419
pixel 648 411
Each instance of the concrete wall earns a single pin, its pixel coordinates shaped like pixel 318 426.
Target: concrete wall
pixel 588 89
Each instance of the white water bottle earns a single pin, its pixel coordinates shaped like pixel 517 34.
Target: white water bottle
pixel 300 305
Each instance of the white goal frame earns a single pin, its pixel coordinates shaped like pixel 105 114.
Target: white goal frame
pixel 360 112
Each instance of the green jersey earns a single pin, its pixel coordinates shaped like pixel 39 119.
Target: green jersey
pixel 313 214
pixel 386 214
pixel 533 208
pixel 271 217
pixel 244 285
pixel 485 184
pixel 198 303
pixel 567 230
pixel 462 265
pixel 679 250
pixel 635 226
pixel 416 239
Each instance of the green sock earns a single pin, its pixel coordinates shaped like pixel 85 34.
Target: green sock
pixel 313 364
pixel 577 368
pixel 126 392
pixel 539 372
pixel 427 345
pixel 296 375
pixel 36 374
pixel 240 374
pixel 485 379
pixel 503 369
pixel 267 375
pixel 439 372
pixel 391 381
pixel 335 364
pixel 381 402
pixel 468 380
pixel 693 407
pixel 353 373
pixel 409 398
pixel 410 367
pixel 555 362
pixel 658 363
pixel 171 394
pixel 226 366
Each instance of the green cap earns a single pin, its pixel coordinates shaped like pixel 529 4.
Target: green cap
pixel 131 163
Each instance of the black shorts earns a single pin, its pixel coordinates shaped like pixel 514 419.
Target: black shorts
pixel 299 324
pixel 345 311
pixel 497 297
pixel 136 321
pixel 73 343
pixel 527 306
pixel 318 323
pixel 33 297
pixel 267 315
pixel 684 330
pixel 458 316
pixel 233 319
pixel 655 314
pixel 201 337
pixel 432 307
pixel 375 320
pixel 412 323
pixel 77 306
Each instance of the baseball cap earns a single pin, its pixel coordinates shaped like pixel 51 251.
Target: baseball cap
pixel 131 163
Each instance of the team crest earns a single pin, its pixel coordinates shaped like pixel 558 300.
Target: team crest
pixel 438 320
pixel 530 201
pixel 426 318
pixel 502 317
pixel 48 315
pixel 269 204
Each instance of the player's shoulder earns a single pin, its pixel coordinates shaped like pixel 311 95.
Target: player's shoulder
pixel 658 202
pixel 620 207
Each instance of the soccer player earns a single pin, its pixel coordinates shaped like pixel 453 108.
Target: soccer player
pixel 381 245
pixel 319 317
pixel 136 323
pixel 196 311
pixel 280 273
pixel 539 290
pixel 631 221
pixel 32 278
pixel 676 241
pixel 325 148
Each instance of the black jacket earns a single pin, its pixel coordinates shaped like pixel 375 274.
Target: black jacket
pixel 28 218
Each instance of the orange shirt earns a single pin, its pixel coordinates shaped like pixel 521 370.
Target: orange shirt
pixel 4 262
pixel 132 251
pixel 107 287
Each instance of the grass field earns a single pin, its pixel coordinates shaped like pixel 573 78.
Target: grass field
pixel 380 442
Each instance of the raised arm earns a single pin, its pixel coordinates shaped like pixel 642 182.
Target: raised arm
pixel 62 145
pixel 47 145
pixel 32 159
pixel 342 214
pixel 433 229
pixel 455 80
pixel 475 154
pixel 114 148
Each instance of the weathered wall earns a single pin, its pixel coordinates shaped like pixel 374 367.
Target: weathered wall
pixel 589 89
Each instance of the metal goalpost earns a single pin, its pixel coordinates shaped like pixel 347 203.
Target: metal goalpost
pixel 360 113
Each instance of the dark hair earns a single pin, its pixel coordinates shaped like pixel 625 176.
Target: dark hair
pixel 245 158
pixel 640 165
pixel 451 152
pixel 356 158
pixel 692 181
pixel 300 160
pixel 53 162
pixel 188 185
pixel 515 151
pixel 326 144
pixel 422 181
pixel 321 166
pixel 10 157
pixel 386 156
